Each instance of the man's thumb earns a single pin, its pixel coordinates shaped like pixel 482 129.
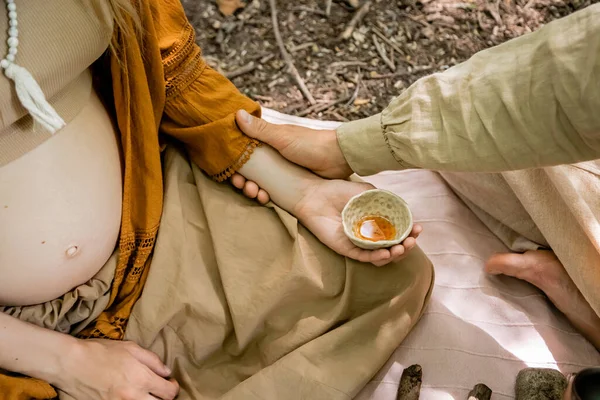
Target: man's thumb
pixel 254 127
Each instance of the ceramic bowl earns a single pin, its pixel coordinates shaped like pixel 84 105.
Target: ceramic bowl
pixel 381 203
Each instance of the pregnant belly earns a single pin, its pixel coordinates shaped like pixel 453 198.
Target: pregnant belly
pixel 60 210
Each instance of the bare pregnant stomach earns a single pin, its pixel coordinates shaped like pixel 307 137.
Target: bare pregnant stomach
pixel 60 210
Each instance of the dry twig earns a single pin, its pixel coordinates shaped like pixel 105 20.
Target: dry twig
pixel 322 107
pixel 355 94
pixel 382 54
pixel 358 16
pixel 387 41
pixel 328 7
pixel 397 74
pixel 310 10
pixel 262 98
pixel 347 64
pixel 241 71
pixel 286 56
pixel 301 47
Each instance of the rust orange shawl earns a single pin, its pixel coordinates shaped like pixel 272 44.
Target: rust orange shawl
pixel 160 86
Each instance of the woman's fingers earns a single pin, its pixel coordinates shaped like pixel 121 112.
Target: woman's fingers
pixel 409 243
pixel 416 231
pixel 383 257
pixel 149 359
pixel 251 189
pixel 368 256
pixel 164 389
pixel 398 251
pixel 263 197
pixel 238 181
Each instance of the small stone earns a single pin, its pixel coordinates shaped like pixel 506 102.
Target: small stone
pixel 480 392
pixel 410 383
pixel 540 384
pixel 359 37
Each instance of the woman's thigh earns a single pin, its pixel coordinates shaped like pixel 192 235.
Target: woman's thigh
pixel 238 293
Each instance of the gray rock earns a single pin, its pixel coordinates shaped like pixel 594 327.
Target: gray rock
pixel 540 384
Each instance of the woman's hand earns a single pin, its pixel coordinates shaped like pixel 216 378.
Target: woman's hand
pixel 320 210
pixel 114 370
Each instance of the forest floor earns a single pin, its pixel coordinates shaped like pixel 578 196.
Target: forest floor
pixel 392 44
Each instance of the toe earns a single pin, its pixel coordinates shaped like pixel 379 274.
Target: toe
pixel 510 264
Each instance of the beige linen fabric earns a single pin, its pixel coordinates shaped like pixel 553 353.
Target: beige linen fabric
pixel 73 311
pixel 244 303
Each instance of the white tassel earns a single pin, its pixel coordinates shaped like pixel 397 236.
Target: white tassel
pixel 32 98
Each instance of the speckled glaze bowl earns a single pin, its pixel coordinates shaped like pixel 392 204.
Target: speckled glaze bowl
pixel 380 203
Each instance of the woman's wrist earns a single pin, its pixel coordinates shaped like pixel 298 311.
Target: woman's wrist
pixel 32 350
pixel 286 183
pixel 55 357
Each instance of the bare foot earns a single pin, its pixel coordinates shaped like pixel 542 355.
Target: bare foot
pixel 542 269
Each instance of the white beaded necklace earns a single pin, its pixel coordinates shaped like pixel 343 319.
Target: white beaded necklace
pixel 28 91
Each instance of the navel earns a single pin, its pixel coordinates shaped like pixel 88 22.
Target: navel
pixel 72 251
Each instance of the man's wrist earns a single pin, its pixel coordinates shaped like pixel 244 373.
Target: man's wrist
pixel 340 169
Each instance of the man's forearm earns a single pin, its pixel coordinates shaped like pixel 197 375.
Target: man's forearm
pixel 31 350
pixel 530 102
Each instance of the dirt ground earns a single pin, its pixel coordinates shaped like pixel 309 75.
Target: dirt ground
pixel 394 44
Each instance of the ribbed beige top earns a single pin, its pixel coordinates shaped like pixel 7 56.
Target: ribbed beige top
pixel 58 41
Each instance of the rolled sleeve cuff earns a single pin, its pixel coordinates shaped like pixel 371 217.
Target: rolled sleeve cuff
pixel 365 148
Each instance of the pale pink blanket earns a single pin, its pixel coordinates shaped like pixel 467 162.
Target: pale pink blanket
pixel 477 328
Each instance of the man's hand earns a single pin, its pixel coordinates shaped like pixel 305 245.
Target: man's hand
pixel 316 150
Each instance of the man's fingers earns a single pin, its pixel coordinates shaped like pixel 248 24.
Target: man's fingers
pixel 256 128
pixel 251 189
pixel 164 389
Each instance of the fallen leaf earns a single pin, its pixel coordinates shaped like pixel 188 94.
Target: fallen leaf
pixel 228 7
pixel 361 102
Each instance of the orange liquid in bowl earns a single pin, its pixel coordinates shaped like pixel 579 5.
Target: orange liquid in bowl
pixel 374 229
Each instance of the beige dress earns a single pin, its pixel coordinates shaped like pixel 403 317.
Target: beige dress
pixel 515 131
